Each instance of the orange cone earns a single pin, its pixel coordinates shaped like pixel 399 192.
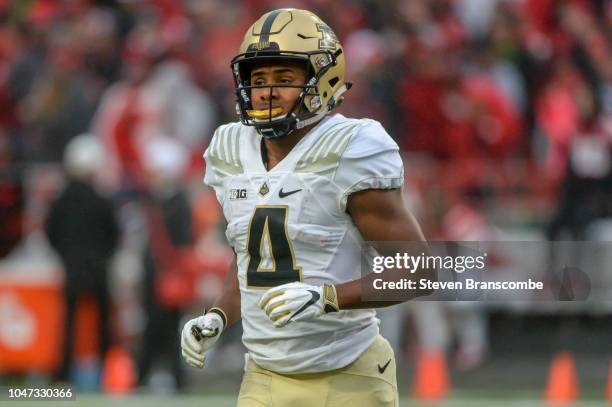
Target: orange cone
pixel 118 375
pixel 431 381
pixel 562 387
pixel 609 388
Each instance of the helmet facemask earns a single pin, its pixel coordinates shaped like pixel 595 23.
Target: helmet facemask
pixel 307 109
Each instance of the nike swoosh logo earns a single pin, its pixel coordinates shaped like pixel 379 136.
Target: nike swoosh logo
pixel 381 370
pixel 315 297
pixel 282 194
pixel 306 37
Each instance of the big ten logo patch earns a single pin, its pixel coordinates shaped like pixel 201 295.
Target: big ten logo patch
pixel 237 194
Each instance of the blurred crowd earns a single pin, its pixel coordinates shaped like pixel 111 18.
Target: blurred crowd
pixel 502 109
pixel 503 95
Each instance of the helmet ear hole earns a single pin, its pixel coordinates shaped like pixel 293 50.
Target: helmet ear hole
pixel 333 81
pixel 324 94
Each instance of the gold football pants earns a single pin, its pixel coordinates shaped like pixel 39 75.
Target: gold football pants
pixel 369 381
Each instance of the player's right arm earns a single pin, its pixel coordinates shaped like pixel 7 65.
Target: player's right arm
pixel 201 333
pixel 229 300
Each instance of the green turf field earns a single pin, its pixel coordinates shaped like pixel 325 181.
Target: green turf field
pixel 93 400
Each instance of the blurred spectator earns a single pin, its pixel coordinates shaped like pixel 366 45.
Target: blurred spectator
pixel 486 63
pixel 21 58
pixel 61 102
pixel 458 118
pixel 476 16
pixel 168 284
pixel 561 106
pixel 12 202
pixel 587 186
pixel 11 175
pixel 82 228
pixel 365 49
pixel 155 96
pixel 221 25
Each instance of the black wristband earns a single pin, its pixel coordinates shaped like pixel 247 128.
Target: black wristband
pixel 219 312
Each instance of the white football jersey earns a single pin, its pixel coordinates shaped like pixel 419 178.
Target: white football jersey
pixel 290 224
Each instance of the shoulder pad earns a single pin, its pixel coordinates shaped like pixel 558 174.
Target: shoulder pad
pixel 325 154
pixel 370 139
pixel 223 154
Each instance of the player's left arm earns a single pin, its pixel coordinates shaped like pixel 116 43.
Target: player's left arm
pixel 380 215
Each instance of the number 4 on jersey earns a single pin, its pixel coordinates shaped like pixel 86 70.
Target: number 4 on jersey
pixel 271 257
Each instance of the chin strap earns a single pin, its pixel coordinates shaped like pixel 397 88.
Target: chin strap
pixel 307 122
pixel 336 97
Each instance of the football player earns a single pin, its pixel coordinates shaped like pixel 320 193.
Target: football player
pixel 301 190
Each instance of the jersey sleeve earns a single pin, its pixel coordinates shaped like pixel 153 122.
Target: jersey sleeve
pixel 211 179
pixel 371 161
pixel 222 158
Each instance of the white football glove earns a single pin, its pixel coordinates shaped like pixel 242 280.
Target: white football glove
pixel 298 302
pixel 200 334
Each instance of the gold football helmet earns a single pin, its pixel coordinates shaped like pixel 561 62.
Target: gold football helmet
pixel 295 35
